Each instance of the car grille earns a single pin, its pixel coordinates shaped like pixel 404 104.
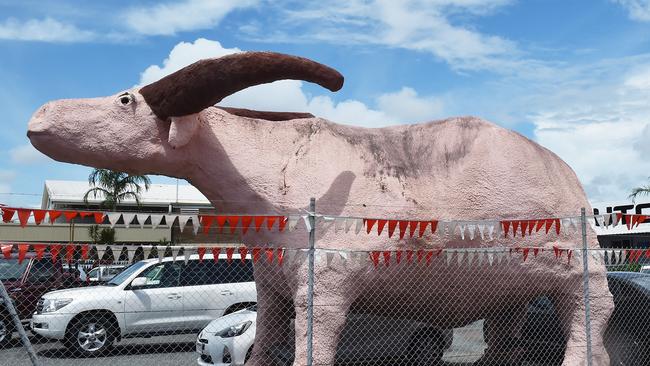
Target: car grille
pixel 39 306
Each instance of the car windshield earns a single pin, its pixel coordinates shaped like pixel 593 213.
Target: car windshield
pixel 643 281
pixel 10 269
pixel 117 280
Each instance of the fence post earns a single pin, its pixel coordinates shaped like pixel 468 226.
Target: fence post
pixel 585 280
pixel 19 326
pixel 310 283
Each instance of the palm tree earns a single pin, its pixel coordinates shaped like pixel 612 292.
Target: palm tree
pixel 116 187
pixel 639 191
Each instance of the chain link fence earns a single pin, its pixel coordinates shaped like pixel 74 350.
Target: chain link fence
pixel 258 305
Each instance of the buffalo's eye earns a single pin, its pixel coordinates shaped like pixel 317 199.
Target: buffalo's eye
pixel 125 98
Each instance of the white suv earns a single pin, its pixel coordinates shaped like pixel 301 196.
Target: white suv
pixel 150 297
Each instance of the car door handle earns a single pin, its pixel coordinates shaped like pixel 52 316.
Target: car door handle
pixel 173 296
pixel 226 293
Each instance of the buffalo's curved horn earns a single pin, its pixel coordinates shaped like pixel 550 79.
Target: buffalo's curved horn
pixel 206 82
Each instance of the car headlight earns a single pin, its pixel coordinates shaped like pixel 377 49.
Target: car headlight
pixel 235 330
pixel 50 305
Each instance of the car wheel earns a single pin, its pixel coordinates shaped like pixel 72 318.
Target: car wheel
pixel 6 331
pixel 426 348
pixel 90 335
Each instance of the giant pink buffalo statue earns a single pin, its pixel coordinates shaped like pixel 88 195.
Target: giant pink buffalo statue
pixel 262 162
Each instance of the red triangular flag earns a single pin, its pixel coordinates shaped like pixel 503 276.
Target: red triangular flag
pixel 380 226
pixel 280 253
pixel 6 250
pixel 206 222
pixel 423 228
pixel 259 220
pixel 233 221
pixel 569 254
pixel 99 217
pixel 392 224
pixel 548 224
pixel 69 252
pixel 374 256
pixel 69 215
pixel 229 253
pixel 557 226
pixel 647 253
pixel 434 226
pixel 413 225
pixel 23 216
pixel 386 258
pixel 535 251
pixel 7 214
pixel 409 256
pixel 221 221
pixel 402 228
pixel 55 250
pixel 22 251
pixel 525 251
pixel 531 225
pixel 256 254
pixel 515 226
pixel 215 253
pixel 54 214
pixel 245 223
pixel 556 251
pixel 39 249
pixel 242 254
pixel 524 228
pixel 420 255
pixel 540 224
pixel 282 222
pixel 429 256
pixel 369 224
pixel 270 220
pixel 39 216
pixel 506 228
pixel 269 255
pixel 398 256
pixel 201 252
pixel 641 219
pixel 84 251
pixel 85 213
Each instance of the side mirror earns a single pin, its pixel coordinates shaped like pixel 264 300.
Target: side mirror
pixel 138 282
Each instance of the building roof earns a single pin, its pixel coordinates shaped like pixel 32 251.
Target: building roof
pixel 70 192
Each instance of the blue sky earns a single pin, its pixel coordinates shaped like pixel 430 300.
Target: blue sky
pixel 572 75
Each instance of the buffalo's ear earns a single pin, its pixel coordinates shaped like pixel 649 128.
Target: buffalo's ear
pixel 182 130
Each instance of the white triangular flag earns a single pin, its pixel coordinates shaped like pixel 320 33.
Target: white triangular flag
pixel 156 220
pixel 101 249
pixel 330 257
pixel 599 220
pixel 459 256
pixel 130 252
pixel 442 226
pixel 289 256
pixel 490 227
pixel 470 257
pixel 461 229
pixel 113 218
pixel 169 220
pixel 161 253
pixel 344 257
pixel 196 224
pixel 490 256
pixel 574 223
pixel 305 218
pixel 146 250
pixel 452 228
pixel 175 251
pixel 481 230
pixel 292 222
pixel 182 221
pixel 339 224
pixel 187 252
pixel 348 224
pixel 358 225
pixel 615 219
pixel 128 218
pixel 607 218
pixel 448 254
pixel 300 257
pixel 479 254
pixel 142 218
pixel 472 231
pixel 500 254
pixel 565 223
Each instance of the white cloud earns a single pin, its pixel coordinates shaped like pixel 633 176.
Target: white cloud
pixel 172 17
pixel 637 9
pixel 27 154
pixel 45 30
pixel 418 25
pixel 6 177
pixel 403 106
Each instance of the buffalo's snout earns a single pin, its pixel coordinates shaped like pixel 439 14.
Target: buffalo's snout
pixel 37 124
